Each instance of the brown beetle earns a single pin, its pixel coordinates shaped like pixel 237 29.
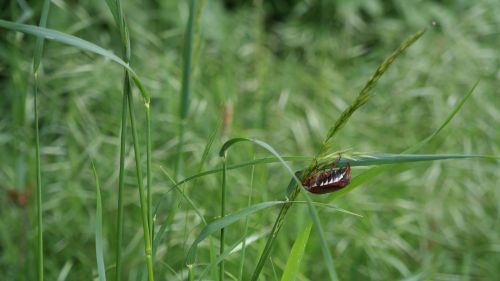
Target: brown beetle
pixel 328 180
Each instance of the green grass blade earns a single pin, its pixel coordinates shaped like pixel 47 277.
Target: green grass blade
pixel 39 202
pixel 64 38
pixel 79 43
pixel 101 268
pixel 220 258
pixel 216 225
pixel 370 159
pixel 142 197
pixel 115 11
pixel 328 260
pixel 149 192
pixel 233 141
pixel 121 178
pixel 190 202
pixel 448 119
pixel 222 215
pixel 186 84
pixel 197 32
pixel 296 254
pixel 208 146
pixel 260 161
pixel 40 41
pixel 245 229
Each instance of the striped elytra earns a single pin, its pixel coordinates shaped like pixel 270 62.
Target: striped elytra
pixel 329 180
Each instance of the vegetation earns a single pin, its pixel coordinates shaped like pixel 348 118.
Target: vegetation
pixel 197 113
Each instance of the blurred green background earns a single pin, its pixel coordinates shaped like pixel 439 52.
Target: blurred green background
pixel 281 71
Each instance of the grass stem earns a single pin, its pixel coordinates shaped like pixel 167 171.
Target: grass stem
pixel 222 214
pixel 186 85
pixel 39 206
pixel 121 177
pixel 143 201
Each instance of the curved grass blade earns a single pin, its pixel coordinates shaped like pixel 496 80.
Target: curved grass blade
pixel 231 142
pixel 223 154
pixel 216 225
pixel 101 268
pixel 77 42
pixel 220 223
pixel 64 38
pixel 265 160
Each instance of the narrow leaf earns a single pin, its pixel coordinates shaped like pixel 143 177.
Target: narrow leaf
pixel 101 268
pixel 296 254
pixel 64 38
pixel 216 225
pixel 39 41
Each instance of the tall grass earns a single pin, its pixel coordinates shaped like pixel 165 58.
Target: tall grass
pixel 424 221
pixel 145 199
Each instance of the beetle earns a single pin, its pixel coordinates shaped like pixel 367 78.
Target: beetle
pixel 328 180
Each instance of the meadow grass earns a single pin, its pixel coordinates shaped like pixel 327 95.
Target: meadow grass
pixel 287 82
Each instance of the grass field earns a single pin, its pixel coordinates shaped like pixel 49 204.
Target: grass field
pixel 280 72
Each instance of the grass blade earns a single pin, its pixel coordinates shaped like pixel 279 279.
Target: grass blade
pixel 222 215
pixel 121 178
pixel 64 38
pixel 296 254
pixel 39 202
pixel 216 225
pixel 101 268
pixel 149 193
pixel 186 84
pixel 328 260
pixel 142 197
pixel 40 41
pixel 260 161
pixel 79 43
pixel 115 9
